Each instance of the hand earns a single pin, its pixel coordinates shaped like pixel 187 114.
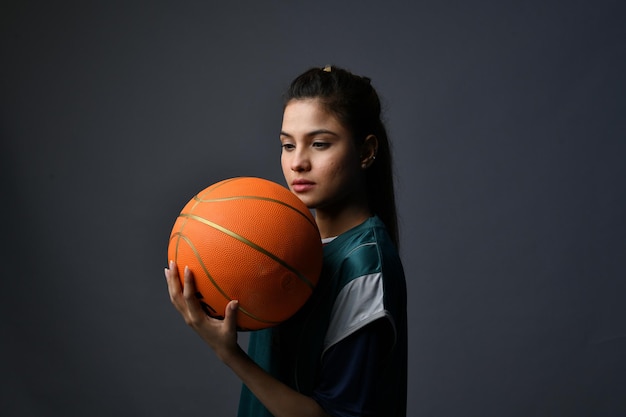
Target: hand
pixel 220 335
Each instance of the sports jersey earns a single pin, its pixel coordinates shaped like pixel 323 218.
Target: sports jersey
pixel 347 347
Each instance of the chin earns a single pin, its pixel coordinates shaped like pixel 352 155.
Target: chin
pixel 309 202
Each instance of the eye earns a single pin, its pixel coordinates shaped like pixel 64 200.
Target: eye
pixel 320 145
pixel 287 146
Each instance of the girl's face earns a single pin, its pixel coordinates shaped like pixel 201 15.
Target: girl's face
pixel 319 158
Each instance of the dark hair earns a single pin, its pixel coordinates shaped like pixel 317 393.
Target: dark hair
pixel 353 100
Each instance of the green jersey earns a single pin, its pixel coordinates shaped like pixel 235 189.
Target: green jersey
pixel 362 282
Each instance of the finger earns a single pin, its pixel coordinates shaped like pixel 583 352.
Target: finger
pixel 171 271
pixel 190 291
pixel 174 286
pixel 230 315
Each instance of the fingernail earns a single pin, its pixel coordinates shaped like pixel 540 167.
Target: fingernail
pixel 171 264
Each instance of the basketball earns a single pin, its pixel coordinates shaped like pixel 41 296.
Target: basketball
pixel 252 240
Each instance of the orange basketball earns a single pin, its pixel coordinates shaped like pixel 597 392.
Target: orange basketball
pixel 251 240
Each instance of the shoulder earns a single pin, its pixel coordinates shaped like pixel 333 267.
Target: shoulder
pixel 362 250
pixel 366 273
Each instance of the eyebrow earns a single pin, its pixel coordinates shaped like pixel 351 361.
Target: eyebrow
pixel 312 133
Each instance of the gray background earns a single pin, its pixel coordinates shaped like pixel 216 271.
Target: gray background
pixel 508 127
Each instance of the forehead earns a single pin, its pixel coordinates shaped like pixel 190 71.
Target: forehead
pixel 309 114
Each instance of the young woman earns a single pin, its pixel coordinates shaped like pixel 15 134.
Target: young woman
pixel 345 352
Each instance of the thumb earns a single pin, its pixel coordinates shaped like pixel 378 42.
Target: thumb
pixel 230 315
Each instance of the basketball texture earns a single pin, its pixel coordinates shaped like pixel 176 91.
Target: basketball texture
pixel 251 240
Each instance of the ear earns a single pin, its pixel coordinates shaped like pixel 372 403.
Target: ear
pixel 368 151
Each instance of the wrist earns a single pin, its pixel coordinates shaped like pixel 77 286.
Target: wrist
pixel 229 355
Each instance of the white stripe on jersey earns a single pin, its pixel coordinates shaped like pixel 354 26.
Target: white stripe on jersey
pixel 359 303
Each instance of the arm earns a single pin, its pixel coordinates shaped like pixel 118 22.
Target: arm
pixel 221 336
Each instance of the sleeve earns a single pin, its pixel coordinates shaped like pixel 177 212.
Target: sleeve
pixel 350 371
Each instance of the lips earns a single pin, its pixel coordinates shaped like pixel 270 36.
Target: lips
pixel 301 185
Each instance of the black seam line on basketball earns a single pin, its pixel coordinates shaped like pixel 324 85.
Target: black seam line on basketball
pixel 206 271
pixel 251 244
pixel 253 197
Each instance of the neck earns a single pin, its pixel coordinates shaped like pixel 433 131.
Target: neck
pixel 335 222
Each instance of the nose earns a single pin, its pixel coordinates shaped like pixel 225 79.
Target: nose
pixel 300 161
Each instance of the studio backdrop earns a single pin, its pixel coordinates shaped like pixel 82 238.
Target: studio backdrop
pixel 508 130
